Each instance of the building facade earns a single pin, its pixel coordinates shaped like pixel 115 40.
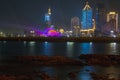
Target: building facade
pixel 48 18
pixel 75 26
pixel 87 17
pixel 88 23
pixel 111 26
pixel 101 12
pixel 113 17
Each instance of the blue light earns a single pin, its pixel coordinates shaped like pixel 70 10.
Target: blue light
pixel 86 48
pixel 47 49
pixel 47 17
pixel 85 75
pixel 87 19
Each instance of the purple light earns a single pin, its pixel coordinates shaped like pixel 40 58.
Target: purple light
pixel 51 32
pixel 48 32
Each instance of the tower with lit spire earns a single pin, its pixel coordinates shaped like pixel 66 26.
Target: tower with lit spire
pixel 87 22
pixel 48 18
pixel 49 11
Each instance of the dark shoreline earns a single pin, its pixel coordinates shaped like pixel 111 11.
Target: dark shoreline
pixel 62 39
pixel 82 60
pixel 24 63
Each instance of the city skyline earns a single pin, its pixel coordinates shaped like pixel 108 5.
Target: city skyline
pixel 19 14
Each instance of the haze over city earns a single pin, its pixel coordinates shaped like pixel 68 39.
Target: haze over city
pixel 19 14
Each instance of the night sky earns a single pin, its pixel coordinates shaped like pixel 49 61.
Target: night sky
pixel 21 14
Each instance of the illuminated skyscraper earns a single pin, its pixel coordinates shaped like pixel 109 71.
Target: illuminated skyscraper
pixel 48 18
pixel 113 17
pixel 87 22
pixel 111 27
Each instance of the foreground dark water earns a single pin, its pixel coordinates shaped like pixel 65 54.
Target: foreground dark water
pixel 67 49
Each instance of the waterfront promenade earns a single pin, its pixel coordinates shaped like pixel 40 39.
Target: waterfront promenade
pixel 62 39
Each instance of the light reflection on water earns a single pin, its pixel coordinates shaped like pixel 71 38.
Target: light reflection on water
pixel 47 50
pixel 4 41
pixel 85 73
pixel 24 42
pixel 86 48
pixel 70 46
pixel 113 48
pixel 32 47
pixel 113 72
pixel 67 49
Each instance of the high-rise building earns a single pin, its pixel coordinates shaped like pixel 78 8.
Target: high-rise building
pixel 75 21
pixel 113 17
pixel 48 18
pixel 75 26
pixel 111 26
pixel 87 22
pixel 101 12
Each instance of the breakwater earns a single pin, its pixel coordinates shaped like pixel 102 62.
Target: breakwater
pixel 62 39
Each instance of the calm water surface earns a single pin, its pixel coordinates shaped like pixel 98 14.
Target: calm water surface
pixel 67 49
